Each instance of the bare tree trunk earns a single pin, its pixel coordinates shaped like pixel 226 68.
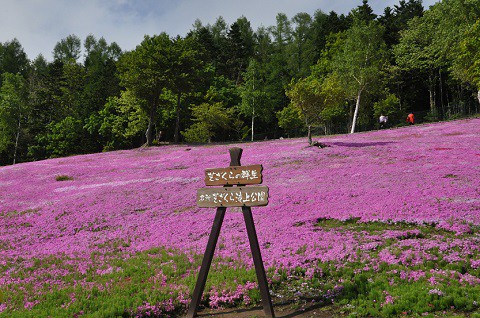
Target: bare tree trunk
pixel 16 142
pixel 151 122
pixel 355 114
pixel 431 91
pixel 478 96
pixel 176 136
pixel 149 132
pixel 432 100
pixel 253 121
pixel 253 105
pixel 442 104
pixel 310 135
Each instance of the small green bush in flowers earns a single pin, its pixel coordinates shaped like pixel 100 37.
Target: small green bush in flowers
pixel 63 178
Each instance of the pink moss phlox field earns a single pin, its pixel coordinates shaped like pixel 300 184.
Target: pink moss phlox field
pixel 129 201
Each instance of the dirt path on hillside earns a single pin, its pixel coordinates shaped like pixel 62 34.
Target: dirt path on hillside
pixel 281 311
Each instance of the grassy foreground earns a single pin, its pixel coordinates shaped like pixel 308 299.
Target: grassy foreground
pixel 158 282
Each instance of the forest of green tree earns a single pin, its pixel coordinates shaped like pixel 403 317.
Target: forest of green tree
pixel 329 73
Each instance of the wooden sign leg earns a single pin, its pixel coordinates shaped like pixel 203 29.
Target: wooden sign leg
pixel 257 260
pixel 207 261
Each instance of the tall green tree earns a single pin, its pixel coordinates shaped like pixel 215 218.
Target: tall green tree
pixel 361 61
pixel 415 54
pixel 120 123
pixel 146 71
pixel 282 32
pixel 256 103
pixel 304 95
pixel 221 49
pixel 333 93
pixel 65 137
pixel 396 19
pixel 263 46
pixel 65 134
pixel 47 88
pixel 239 47
pixel 316 99
pixel 466 66
pixel 66 84
pixel 41 105
pixel 101 81
pixel 279 73
pixel 14 110
pixel 320 31
pixel 185 71
pixel 204 37
pixel 324 26
pixel 456 37
pixel 363 12
pixel 302 48
pixel 13 59
pixel 430 45
pixel 282 40
pixel 223 90
pixel 211 120
pixel 69 48
pixel 72 86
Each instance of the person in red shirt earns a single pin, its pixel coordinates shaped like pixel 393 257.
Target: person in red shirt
pixel 411 119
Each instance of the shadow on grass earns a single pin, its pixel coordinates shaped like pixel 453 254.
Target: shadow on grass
pixel 360 144
pixel 284 310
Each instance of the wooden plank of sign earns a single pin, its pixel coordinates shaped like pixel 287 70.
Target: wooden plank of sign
pixel 232 196
pixel 234 175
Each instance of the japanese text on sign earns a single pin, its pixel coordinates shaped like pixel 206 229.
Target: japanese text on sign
pixel 239 196
pixel 234 175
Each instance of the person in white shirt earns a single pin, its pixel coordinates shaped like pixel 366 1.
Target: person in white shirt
pixel 383 121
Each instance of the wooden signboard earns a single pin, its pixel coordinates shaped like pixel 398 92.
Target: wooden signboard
pixel 234 175
pixel 230 196
pixel 234 196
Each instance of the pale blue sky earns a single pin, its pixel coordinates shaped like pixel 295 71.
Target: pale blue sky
pixel 40 24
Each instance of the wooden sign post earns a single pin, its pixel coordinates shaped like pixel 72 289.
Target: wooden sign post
pixel 229 196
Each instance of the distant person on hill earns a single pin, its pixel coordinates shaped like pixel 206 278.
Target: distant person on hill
pixel 383 121
pixel 411 119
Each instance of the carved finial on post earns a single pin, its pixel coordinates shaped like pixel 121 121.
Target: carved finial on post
pixel 235 156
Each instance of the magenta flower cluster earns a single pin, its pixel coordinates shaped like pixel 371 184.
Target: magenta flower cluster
pixel 135 200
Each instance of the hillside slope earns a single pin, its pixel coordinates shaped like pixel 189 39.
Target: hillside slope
pixel 385 222
pixel 419 174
